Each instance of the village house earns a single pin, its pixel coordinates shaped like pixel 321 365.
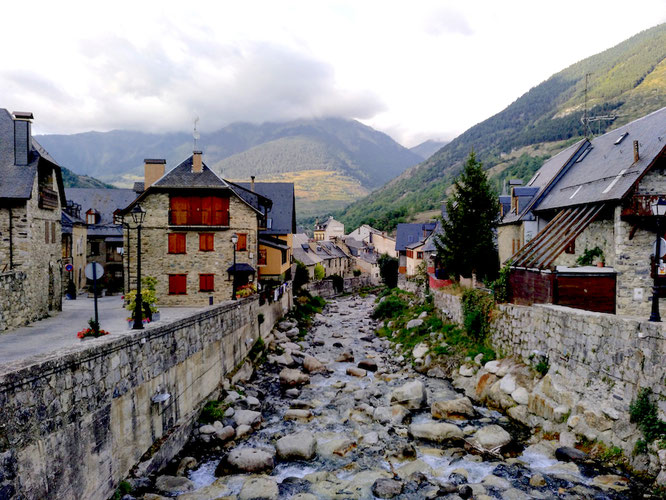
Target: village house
pixel 31 200
pixel 74 238
pixel 597 209
pixel 335 256
pixel 276 240
pixel 191 215
pixel 365 258
pixel 381 242
pixel 409 242
pixel 329 230
pixel 104 235
pixel 305 254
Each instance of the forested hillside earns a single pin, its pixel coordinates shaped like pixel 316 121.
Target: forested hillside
pixel 625 82
pixel 72 180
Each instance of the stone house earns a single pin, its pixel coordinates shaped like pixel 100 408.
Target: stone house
pixel 31 200
pixel 409 241
pixel 276 240
pixel 305 254
pixel 191 215
pixel 599 200
pixel 381 243
pixel 365 258
pixel 104 242
pixel 74 245
pixel 336 257
pixel 329 230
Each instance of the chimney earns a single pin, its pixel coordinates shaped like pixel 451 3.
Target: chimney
pixel 636 155
pixel 22 134
pixel 153 170
pixel 252 183
pixel 197 164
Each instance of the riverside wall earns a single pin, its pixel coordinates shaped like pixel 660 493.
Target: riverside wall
pixel 325 288
pixel 74 423
pixel 598 363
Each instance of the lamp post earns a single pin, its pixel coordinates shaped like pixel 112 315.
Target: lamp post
pixel 234 240
pixel 658 210
pixel 138 214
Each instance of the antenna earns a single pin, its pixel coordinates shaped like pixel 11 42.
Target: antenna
pixel 586 118
pixel 195 133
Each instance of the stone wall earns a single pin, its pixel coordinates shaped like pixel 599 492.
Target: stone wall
pixel 14 300
pixel 598 362
pixel 158 263
pixel 74 423
pixel 325 288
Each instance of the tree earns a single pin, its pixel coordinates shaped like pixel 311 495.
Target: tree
pixel 467 243
pixel 388 270
pixel 319 272
pixel 302 276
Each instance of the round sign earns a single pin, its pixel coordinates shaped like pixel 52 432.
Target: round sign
pixel 99 270
pixel 662 248
pixel 69 268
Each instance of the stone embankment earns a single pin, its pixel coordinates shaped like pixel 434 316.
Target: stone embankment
pixel 340 414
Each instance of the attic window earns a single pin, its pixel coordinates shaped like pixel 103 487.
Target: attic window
pixel 533 179
pixel 585 153
pixel 621 138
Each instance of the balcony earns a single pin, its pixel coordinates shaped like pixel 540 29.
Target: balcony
pixel 48 198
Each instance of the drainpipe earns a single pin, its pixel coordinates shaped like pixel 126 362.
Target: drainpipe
pixel 11 240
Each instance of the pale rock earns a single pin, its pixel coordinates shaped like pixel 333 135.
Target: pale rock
pixel 186 464
pixel 420 350
pixel 173 485
pixel 610 412
pixel 292 347
pixel 508 384
pixel 414 323
pixel 229 412
pixel 423 315
pixel 207 429
pixel 243 430
pixel 521 396
pixel 412 395
pixel 596 421
pixel 386 488
pixel 259 488
pixel 503 368
pixel 661 479
pixel 438 432
pixel 560 413
pixel 356 372
pixel 492 366
pixel 519 413
pixel 478 358
pixel 662 457
pixel 246 460
pixel 466 371
pixel 456 407
pixel 225 433
pixel 313 365
pixel 537 480
pixel 394 414
pixel 299 446
pixel 567 439
pixel 371 438
pixel 611 482
pixel 414 466
pixel 252 403
pixel 232 397
pixel 493 481
pixel 573 421
pixel 247 417
pixel 300 415
pixel 338 446
pixel 290 377
pixel 243 374
pixel 492 437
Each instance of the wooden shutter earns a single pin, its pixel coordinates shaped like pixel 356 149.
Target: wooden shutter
pixel 177 284
pixel 178 206
pixel 207 282
pixel 206 242
pixel 242 242
pixel 177 243
pixel 207 210
pixel 194 210
pixel 220 211
pixel 261 261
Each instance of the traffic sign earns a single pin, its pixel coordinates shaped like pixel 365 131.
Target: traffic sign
pixel 69 268
pixel 99 270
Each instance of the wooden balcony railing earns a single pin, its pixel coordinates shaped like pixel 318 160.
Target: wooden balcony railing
pixel 48 198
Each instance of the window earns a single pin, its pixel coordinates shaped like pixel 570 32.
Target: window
pixel 177 284
pixel 94 248
pixel 177 243
pixel 46 232
pixel 284 257
pixel 419 255
pixel 53 233
pixel 199 211
pixel 206 242
pixel 242 242
pixel 206 282
pixel 261 261
pixel 91 217
pixel 410 254
pixel 571 247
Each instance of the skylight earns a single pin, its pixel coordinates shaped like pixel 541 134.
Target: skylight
pixel 621 138
pixel 533 179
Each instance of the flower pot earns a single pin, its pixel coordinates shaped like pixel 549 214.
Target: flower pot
pixel 600 264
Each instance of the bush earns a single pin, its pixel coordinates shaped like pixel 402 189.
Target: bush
pixel 477 307
pixel 338 282
pixel 388 270
pixel 319 272
pixel 391 307
pixel 148 296
pixel 302 276
pixel 500 287
pixel 643 411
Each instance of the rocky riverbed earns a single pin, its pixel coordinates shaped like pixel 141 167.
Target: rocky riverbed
pixel 340 415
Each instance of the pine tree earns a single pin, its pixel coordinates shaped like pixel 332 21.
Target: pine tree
pixel 467 245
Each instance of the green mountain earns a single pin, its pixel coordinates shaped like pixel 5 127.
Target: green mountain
pixel 624 83
pixel 72 180
pixel 332 161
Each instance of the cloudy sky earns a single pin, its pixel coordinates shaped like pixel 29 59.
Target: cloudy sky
pixel 415 70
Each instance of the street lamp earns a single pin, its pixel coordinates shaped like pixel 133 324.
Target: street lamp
pixel 138 215
pixel 234 240
pixel 658 210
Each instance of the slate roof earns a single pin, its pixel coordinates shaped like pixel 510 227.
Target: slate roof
pixel 104 201
pixel 302 251
pixel 273 242
pixel 16 181
pixel 430 242
pixel 283 211
pixel 607 171
pixel 408 234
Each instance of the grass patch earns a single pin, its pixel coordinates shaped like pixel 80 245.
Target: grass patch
pixel 212 411
pixel 305 307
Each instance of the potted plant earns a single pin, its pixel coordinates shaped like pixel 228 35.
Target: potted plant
pixel 590 256
pixel 93 330
pixel 149 311
pixel 246 290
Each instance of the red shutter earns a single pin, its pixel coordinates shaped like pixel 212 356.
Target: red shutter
pixel 206 242
pixel 220 211
pixel 178 210
pixel 194 210
pixel 242 242
pixel 177 284
pixel 177 243
pixel 207 210
pixel 207 282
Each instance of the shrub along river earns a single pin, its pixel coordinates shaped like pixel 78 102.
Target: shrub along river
pixel 338 413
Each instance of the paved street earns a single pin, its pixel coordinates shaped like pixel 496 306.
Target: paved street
pixel 59 331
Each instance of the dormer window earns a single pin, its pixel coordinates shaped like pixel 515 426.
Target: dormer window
pixel 92 216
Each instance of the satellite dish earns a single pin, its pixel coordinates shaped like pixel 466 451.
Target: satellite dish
pixel 662 248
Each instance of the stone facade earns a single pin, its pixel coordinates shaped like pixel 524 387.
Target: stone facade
pixel 75 423
pixel 36 257
pixel 508 236
pixel 74 252
pixel 158 263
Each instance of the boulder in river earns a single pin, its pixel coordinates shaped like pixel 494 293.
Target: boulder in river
pixel 298 446
pixel 412 395
pixel 356 372
pixel 241 460
pixel 436 431
pixel 386 488
pixel 313 365
pixel 567 454
pixel 247 417
pixel 259 488
pixel 492 437
pixel 173 485
pixel 461 407
pixel 290 377
pixel 368 364
pixel 394 414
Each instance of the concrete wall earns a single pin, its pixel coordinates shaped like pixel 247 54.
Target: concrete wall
pixel 597 360
pixel 73 424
